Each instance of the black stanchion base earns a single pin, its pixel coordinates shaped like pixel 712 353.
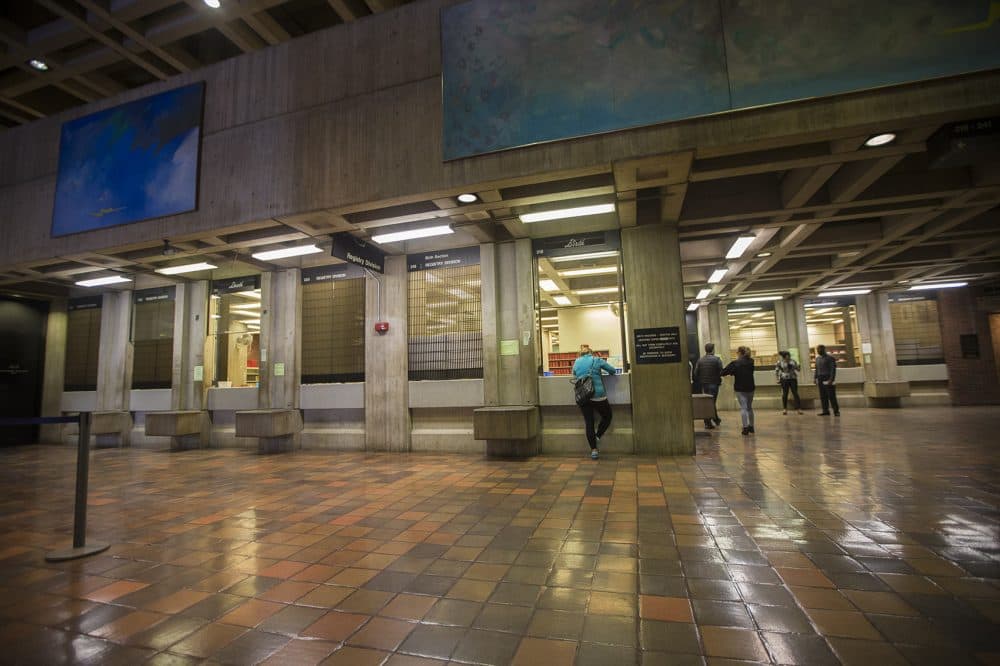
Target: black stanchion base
pixel 76 553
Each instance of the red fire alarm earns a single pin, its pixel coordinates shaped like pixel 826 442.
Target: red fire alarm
pixel 381 327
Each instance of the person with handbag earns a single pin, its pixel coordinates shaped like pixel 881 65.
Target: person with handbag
pixel 591 396
pixel 786 370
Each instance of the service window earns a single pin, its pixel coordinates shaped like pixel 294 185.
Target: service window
pixel 581 299
pixel 153 338
pixel 753 326
pixel 233 343
pixel 83 342
pixel 916 328
pixel 834 323
pixel 445 315
pixel 333 324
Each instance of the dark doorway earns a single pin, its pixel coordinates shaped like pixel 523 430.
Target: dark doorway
pixel 22 358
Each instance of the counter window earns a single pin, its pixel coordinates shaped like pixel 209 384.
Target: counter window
pixel 153 338
pixel 834 323
pixel 83 341
pixel 233 344
pixel 753 326
pixel 333 326
pixel 916 329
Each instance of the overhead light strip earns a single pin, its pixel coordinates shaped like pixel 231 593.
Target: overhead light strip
pixel 717 275
pixel 844 292
pixel 563 213
pixel 704 293
pixel 285 252
pixel 740 246
pixel 426 232
pixel 100 282
pixel 758 299
pixel 937 285
pixel 186 268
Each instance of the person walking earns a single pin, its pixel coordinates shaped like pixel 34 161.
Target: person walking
pixel 826 379
pixel 787 372
pixel 708 375
pixel 742 371
pixel 589 364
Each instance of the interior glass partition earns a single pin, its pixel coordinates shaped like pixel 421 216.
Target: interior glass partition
pixel 333 324
pixel 916 328
pixel 233 343
pixel 83 341
pixel 834 322
pixel 153 338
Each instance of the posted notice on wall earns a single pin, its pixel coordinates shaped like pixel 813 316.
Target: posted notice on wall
pixel 658 345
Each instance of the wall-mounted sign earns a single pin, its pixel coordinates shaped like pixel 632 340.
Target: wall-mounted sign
pixel 357 251
pixel 508 348
pixel 233 285
pixel 332 272
pixel 969 344
pixel 84 303
pixel 564 246
pixel 199 373
pixel 658 345
pixel 463 256
pixel 279 369
pixel 153 295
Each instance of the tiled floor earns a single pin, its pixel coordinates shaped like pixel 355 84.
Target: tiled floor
pixel 868 539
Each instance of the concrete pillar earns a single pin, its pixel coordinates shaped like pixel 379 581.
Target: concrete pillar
pixel 662 420
pixel 54 373
pixel 884 385
pixel 490 294
pixel 713 326
pixel 793 335
pixel 967 341
pixel 280 350
pixel 190 333
pixel 114 368
pixel 387 393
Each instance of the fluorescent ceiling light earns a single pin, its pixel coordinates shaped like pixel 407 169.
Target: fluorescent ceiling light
pixel 844 292
pixel 216 316
pixel 468 197
pixel 692 307
pixel 40 65
pixel 703 294
pixel 214 4
pixel 880 139
pixel 838 321
pixel 286 252
pixel 99 282
pixel 588 255
pixel 550 318
pixel 589 271
pixel 758 299
pixel 548 285
pixel 820 305
pixel 562 300
pixel 599 290
pixel 763 255
pixel 250 321
pixel 750 309
pixel 717 275
pixel 937 285
pixel 563 213
pixel 740 246
pixel 426 232
pixel 550 325
pixel 186 268
pixel 250 294
pixel 761 314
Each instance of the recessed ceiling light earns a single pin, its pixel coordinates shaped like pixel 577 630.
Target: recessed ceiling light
pixel 562 300
pixel 563 213
pixel 426 232
pixel 186 268
pixel 40 65
pixel 763 255
pixel 937 285
pixel 880 139
pixel 586 255
pixel 740 246
pixel 285 252
pixel 844 292
pixel 717 275
pixel 692 307
pixel 468 197
pixel 100 282
pixel 214 4
pixel 703 294
pixel 548 285
pixel 758 299
pixel 589 271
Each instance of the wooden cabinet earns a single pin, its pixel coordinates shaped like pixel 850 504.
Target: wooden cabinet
pixel 561 363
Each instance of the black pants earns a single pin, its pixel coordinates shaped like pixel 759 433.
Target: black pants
pixel 793 386
pixel 602 407
pixel 827 395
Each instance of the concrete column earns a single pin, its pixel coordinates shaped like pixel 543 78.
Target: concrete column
pixel 490 294
pixel 114 368
pixel 884 385
pixel 190 333
pixel 662 420
pixel 54 373
pixel 793 335
pixel 713 326
pixel 387 394
pixel 280 341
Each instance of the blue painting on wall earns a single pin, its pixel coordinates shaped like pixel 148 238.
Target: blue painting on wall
pixel 129 163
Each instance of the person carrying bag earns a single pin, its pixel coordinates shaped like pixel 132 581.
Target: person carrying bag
pixel 590 396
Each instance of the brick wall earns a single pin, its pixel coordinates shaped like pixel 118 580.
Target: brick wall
pixel 970 381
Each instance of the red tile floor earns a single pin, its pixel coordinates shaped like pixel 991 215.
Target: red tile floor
pixel 869 539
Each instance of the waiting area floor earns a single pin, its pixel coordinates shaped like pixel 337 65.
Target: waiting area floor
pixel 868 539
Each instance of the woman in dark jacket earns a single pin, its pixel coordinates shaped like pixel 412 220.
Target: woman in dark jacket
pixel 742 371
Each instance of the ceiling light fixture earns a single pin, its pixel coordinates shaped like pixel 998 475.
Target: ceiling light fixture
pixel 717 275
pixel 426 232
pixel 588 255
pixel 740 246
pixel 186 268
pixel 937 285
pixel 562 300
pixel 880 139
pixel 548 285
pixel 468 197
pixel 704 293
pixel 563 213
pixel 820 304
pixel 100 282
pixel 599 290
pixel 550 318
pixel 589 271
pixel 214 4
pixel 763 255
pixel 844 292
pixel 286 252
pixel 758 299
pixel 40 65
pixel 249 294
pixel 693 306
pixel 750 309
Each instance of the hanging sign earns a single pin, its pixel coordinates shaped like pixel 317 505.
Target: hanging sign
pixel 153 295
pixel 84 303
pixel 245 283
pixel 332 272
pixel 356 251
pixel 658 345
pixel 564 246
pixel 463 256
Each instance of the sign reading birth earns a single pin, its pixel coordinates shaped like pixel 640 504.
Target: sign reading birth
pixel 658 345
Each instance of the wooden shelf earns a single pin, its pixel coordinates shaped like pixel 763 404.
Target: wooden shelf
pixel 561 363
